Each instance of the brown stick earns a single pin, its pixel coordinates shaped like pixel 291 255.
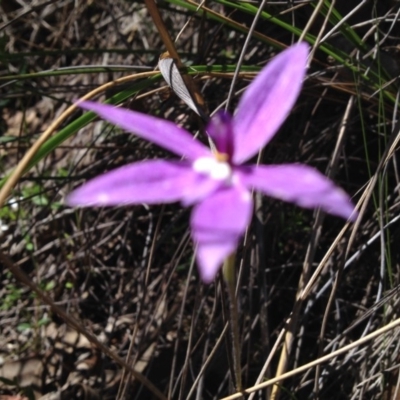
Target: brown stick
pixel 169 44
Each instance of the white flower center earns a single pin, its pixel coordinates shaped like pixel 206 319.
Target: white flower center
pixel 213 168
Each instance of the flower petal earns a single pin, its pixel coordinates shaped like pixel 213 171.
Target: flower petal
pixel 163 133
pixel 220 129
pixel 268 100
pixel 217 225
pixel 301 185
pixel 145 182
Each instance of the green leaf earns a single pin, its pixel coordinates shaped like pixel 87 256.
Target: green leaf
pixel 24 326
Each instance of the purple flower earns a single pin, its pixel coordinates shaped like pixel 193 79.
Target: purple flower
pixel 217 183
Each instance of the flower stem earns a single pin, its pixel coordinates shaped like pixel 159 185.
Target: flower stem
pixel 228 272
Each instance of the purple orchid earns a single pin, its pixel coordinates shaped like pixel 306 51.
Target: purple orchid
pixel 217 183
